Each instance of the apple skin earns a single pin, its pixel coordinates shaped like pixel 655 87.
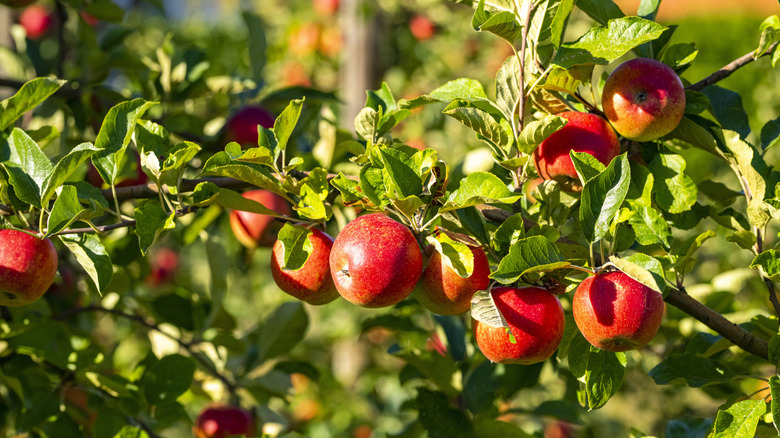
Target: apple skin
pixel 37 21
pixel 443 291
pixel 258 230
pixel 28 266
pixel 220 421
pixel 643 99
pixel 375 261
pixel 325 7
pixel 311 283
pixel 584 132
pixel 242 126
pixel 535 318
pixel 422 27
pixel 164 263
pixel 617 313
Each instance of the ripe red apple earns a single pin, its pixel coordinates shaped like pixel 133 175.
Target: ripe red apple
pixel 254 229
pixel 535 319
pixel 242 126
pixel 312 282
pixel 375 261
pixel 37 21
pixel 27 267
pixel 164 263
pixel 304 38
pixel 326 7
pixel 422 27
pixel 584 132
pixel 617 313
pixel 220 421
pixel 443 291
pixel 644 99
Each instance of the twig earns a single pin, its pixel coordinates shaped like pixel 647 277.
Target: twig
pixel 728 69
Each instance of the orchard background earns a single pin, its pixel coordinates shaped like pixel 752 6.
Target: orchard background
pixel 158 311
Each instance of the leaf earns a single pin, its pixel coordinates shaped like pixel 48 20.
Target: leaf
pixel 482 123
pixel 769 264
pixel 770 34
pixel 508 233
pixel 463 88
pixel 284 328
pixel 536 131
pixel 372 185
pixel 439 419
pixel 456 255
pixel 740 420
pixel 28 167
pixel 691 369
pixel 285 123
pixel 600 372
pixel 531 254
pixel 602 197
pixel 115 135
pixel 508 88
pixel 558 25
pixel 366 124
pixel 586 165
pixel 503 24
pixel 749 162
pixel 174 166
pixel 642 268
pixel 674 191
pixel 770 133
pixel 479 188
pixel 257 44
pixel 349 188
pixel 222 164
pixel 92 256
pixel 679 55
pixel 167 379
pixel 600 10
pixel 150 220
pixel 401 170
pixel 649 226
pixel 64 168
pixel 30 95
pixel 774 391
pixel 603 45
pixel 484 310
pixel 691 131
pixel 728 109
pixel 686 250
pixel 296 246
pixel 66 210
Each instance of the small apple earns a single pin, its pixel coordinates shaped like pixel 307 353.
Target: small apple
pixel 559 429
pixel 303 39
pixel 330 41
pixel 164 263
pixel 617 313
pixel 37 21
pixel 254 229
pixel 535 319
pixel 325 7
pixel 294 74
pixel 584 132
pixel 375 261
pixel 221 421
pixel 422 27
pixel 443 291
pixel 312 282
pixel 242 126
pixel 643 99
pixel 28 266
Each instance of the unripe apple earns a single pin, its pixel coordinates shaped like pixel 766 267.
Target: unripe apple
pixel 535 319
pixel 312 282
pixel 375 261
pixel 422 27
pixel 37 21
pixel 644 99
pixel 255 229
pixel 617 313
pixel 242 126
pixel 219 421
pixel 443 291
pixel 584 132
pixel 27 267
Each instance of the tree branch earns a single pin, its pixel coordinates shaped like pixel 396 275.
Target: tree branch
pixel 728 69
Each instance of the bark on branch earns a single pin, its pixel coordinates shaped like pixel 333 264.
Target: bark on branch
pixel 728 69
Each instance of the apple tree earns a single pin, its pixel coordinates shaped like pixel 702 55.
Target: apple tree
pixel 300 274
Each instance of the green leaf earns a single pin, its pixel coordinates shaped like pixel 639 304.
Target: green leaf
pixel 235 201
pixel 774 391
pixel 691 369
pixel 401 170
pixel 174 166
pixel 28 167
pixel 167 379
pixel 462 88
pixel 508 233
pixel 536 131
pixel 770 133
pixel 603 45
pixel 257 44
pixel 558 25
pixel 296 247
pixel 602 197
pixel 749 162
pixel 484 310
pixel 739 420
pixel 586 165
pixel 678 55
pixel 439 419
pixel 642 268
pixel 531 254
pixel 770 34
pixel 152 137
pixel 222 164
pixel 115 135
pixel 479 188
pixel 348 188
pixel 284 328
pixel 508 88
pixel 482 123
pixel 372 185
pixel 600 372
pixel 649 226
pixel 285 123
pixel 565 81
pixel 490 428
pixel 674 191
pixel 92 256
pixel 66 210
pixel 503 24
pixel 367 124
pixel 691 131
pixel 30 95
pixel 600 10
pixel 687 249
pixel 728 109
pixel 150 221
pixel 769 264
pixel 65 167
pixel 456 255
pixel 128 431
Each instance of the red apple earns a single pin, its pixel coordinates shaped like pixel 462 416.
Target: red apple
pixel 535 319
pixel 37 21
pixel 89 18
pixel 559 429
pixel 326 7
pixel 303 39
pixel 294 74
pixel 254 229
pixel 220 421
pixel 443 291
pixel 644 99
pixel 375 261
pixel 27 267
pixel 330 41
pixel 584 132
pixel 312 282
pixel 617 313
pixel 164 262
pixel 422 27
pixel 242 126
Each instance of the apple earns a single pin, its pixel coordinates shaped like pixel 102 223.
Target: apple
pixel 255 229
pixel 443 291
pixel 28 266
pixel 303 39
pixel 129 177
pixel 617 313
pixel 643 99
pixel 164 263
pixel 242 126
pixel 312 282
pixel 89 18
pixel 294 74
pixel 422 27
pixel 325 7
pixel 37 21
pixel 330 41
pixel 375 261
pixel 535 319
pixel 559 429
pixel 222 421
pixel 584 132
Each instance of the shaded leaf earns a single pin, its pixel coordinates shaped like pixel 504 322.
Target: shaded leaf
pixel 479 188
pixel 602 197
pixel 92 256
pixel 691 369
pixel 600 372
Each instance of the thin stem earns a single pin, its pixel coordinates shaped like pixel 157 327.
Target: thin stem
pixel 728 69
